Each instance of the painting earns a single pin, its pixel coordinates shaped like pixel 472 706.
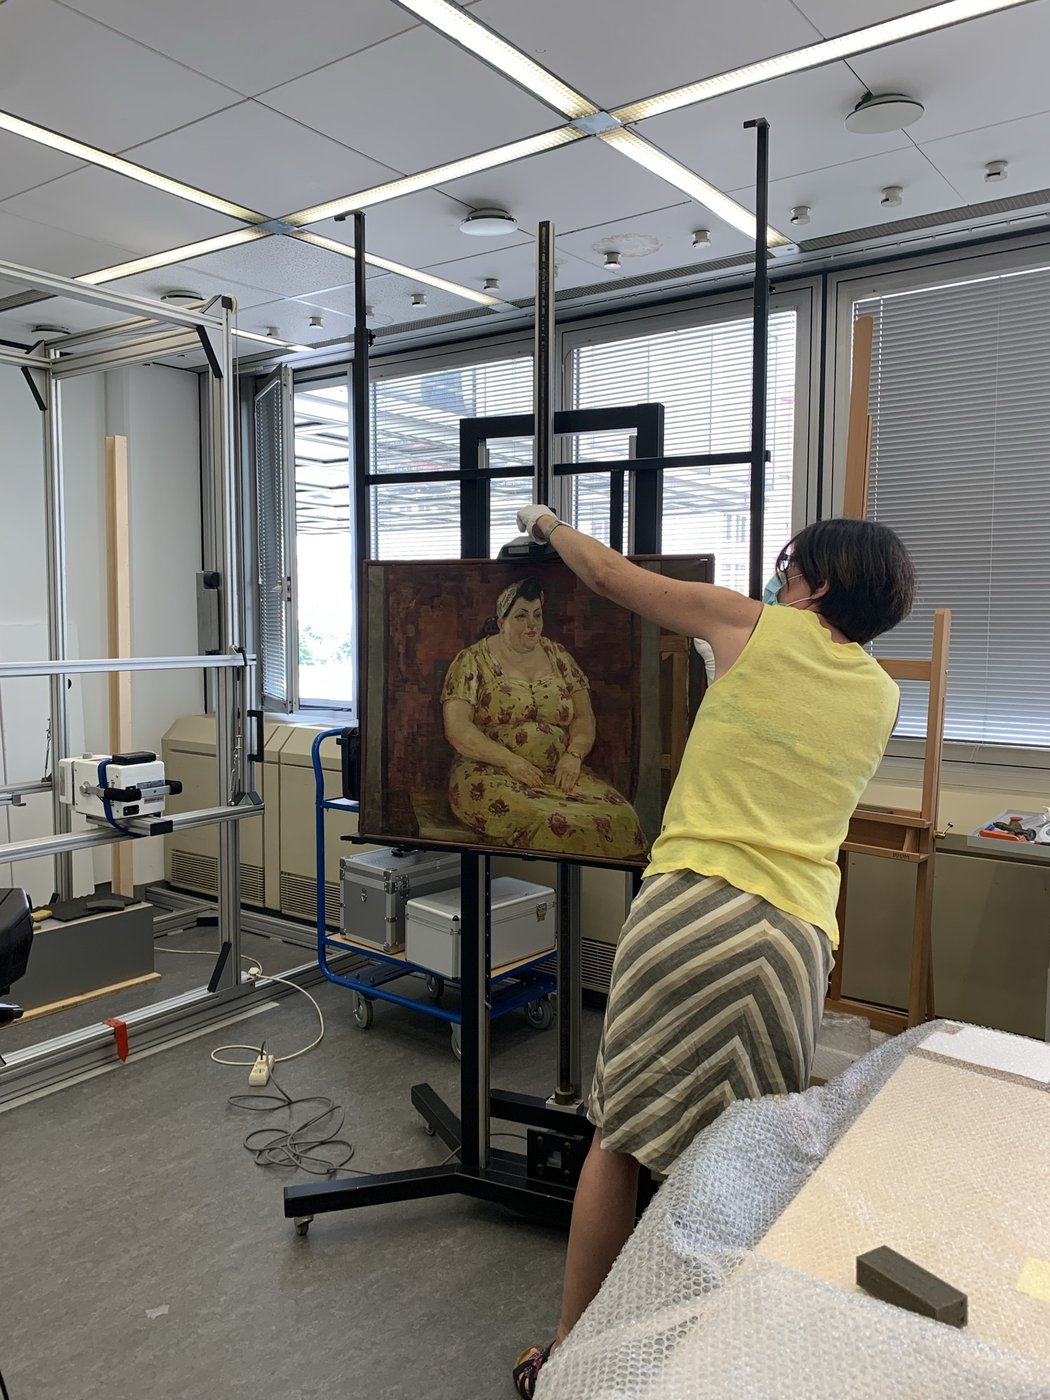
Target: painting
pixel 511 710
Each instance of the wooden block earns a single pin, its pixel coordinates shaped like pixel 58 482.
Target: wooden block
pixel 898 1280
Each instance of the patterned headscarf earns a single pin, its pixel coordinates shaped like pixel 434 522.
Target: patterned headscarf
pixel 509 597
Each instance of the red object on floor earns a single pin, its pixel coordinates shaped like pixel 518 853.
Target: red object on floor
pixel 120 1035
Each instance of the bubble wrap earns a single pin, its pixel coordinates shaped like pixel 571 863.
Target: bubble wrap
pixel 691 1310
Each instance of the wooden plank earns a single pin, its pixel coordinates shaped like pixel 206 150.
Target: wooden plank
pixel 906 670
pixel 880 1017
pixel 119 596
pixel 858 436
pixel 892 816
pixel 860 848
pixel 36 1011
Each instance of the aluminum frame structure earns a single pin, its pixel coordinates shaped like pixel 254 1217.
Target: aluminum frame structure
pixel 145 331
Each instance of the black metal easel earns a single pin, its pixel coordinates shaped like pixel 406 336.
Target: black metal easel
pixel 540 1184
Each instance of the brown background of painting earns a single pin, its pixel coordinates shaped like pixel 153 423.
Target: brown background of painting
pixel 432 611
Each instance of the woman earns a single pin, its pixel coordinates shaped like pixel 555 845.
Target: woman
pixel 719 977
pixel 517 711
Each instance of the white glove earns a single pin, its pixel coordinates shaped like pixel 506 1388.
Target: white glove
pixel 527 518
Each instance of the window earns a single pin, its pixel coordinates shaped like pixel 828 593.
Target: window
pixel 960 467
pixel 323 546
pixel 702 376
pixel 415 427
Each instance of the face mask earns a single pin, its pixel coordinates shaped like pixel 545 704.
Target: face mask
pixel 771 594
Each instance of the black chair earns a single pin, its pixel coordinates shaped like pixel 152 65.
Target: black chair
pixel 16 941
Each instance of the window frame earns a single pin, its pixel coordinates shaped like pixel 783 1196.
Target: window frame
pixel 801 295
pixel 844 289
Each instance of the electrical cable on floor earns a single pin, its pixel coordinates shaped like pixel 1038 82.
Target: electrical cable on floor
pixel 3 1388
pixel 295 1147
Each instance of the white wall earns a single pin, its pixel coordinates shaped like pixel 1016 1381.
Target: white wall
pixel 157 408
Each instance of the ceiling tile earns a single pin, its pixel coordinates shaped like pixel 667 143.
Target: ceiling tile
pixel 54 250
pixel 24 164
pixel 291 319
pixel 421 228
pixel 1024 144
pixel 574 186
pixel 57 311
pixel 413 102
pixel 841 16
pixel 254 156
pixel 845 197
pixel 284 266
pixel 71 75
pixel 806 114
pixel 114 209
pixel 183 277
pixel 988 70
pixel 516 270
pixel 251 45
pixel 616 55
pixel 654 242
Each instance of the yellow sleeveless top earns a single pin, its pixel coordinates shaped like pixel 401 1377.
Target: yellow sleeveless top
pixel 780 752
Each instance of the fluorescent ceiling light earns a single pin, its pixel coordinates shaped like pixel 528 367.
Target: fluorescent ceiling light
pixel 79 151
pixel 270 340
pixel 172 255
pixel 373 260
pixel 697 188
pixel 439 175
pixel 477 38
pixel 874 36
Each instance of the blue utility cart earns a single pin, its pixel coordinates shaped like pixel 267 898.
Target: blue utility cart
pixel 520 985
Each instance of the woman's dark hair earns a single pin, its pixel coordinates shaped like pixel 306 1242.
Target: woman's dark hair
pixel 869 573
pixel 529 588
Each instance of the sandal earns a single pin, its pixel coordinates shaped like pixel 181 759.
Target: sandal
pixel 527 1369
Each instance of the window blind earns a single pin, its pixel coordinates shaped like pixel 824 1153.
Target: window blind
pixel 702 376
pixel 272 483
pixel 960 468
pixel 415 427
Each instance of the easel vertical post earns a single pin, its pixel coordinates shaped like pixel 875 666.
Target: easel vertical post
pixel 759 357
pixel 118 536
pixel 858 437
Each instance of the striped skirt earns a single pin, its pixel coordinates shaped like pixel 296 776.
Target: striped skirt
pixel 716 995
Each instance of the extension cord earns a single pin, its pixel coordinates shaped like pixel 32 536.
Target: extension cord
pixel 259 1075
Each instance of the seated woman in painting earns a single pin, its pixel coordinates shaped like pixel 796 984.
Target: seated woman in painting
pixel 517 711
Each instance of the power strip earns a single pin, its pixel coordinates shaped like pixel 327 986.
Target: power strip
pixel 259 1074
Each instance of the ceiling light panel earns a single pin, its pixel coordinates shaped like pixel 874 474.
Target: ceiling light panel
pixel 400 270
pixel 92 156
pixel 171 255
pixel 721 205
pixel 438 175
pixel 875 36
pixel 460 26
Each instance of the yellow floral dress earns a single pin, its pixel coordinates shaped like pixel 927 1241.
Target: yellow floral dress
pixel 532 719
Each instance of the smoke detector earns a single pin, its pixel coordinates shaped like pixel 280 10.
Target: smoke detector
pixel 995 172
pixel 701 238
pixel 49 332
pixel 489 223
pixel 612 262
pixel 891 111
pixel 892 195
pixel 800 214
pixel 419 298
pixel 181 296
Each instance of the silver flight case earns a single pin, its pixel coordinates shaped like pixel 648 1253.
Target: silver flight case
pixel 375 886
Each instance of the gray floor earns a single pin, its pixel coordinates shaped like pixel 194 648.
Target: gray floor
pixel 132 1193
pixel 179 973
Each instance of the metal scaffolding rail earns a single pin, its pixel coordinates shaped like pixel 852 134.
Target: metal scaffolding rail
pixel 141 332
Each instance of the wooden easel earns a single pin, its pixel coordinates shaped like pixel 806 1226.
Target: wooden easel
pixel 894 833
